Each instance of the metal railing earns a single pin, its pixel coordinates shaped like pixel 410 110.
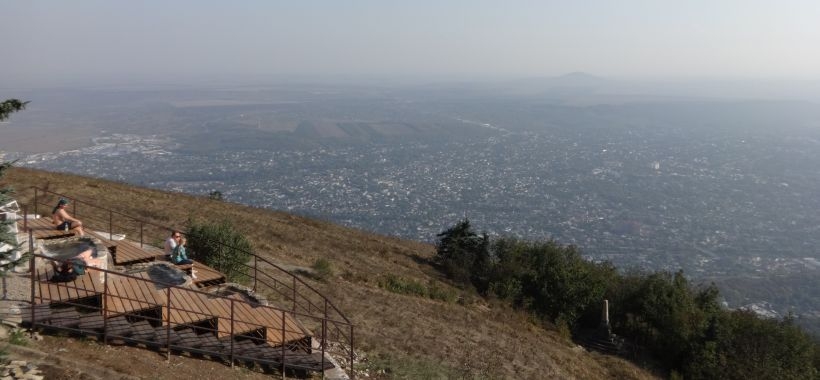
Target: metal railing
pixel 314 311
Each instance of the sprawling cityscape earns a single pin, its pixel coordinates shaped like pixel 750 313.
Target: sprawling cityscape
pixel 734 204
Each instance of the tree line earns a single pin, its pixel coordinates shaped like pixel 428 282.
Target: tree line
pixel 680 325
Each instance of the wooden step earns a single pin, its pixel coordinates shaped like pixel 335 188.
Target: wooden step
pixel 142 332
pixel 42 313
pixel 94 322
pixel 296 360
pixel 67 317
pixel 163 335
pixel 118 327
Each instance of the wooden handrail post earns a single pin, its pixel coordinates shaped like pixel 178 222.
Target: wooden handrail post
pixel 105 308
pixel 283 345
pixel 324 338
pixel 168 323
pixel 110 225
pixel 33 277
pixel 352 371
pixel 232 336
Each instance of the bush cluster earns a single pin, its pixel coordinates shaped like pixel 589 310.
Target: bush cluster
pixel 681 325
pixel 220 246
pixel 322 269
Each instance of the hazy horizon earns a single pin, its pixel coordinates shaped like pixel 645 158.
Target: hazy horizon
pixel 186 42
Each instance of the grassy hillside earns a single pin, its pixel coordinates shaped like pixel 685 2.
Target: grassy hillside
pixel 406 336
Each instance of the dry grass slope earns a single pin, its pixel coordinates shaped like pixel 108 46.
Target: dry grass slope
pixel 409 336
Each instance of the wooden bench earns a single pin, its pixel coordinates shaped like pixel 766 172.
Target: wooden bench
pixel 42 228
pixel 205 275
pixel 128 252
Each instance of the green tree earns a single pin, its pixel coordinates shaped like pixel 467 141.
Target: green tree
pixel 550 279
pixel 10 106
pixel 220 246
pixel 464 255
pixel 665 314
pixel 8 243
pixel 744 346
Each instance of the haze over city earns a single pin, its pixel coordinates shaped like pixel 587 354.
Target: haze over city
pixel 57 43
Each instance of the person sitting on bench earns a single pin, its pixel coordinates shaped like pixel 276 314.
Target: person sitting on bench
pixel 63 221
pixel 172 242
pixel 178 256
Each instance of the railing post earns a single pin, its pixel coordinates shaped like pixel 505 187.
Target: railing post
pixel 33 277
pixel 283 344
pixel 324 338
pixel 255 265
pixel 110 225
pixel 232 336
pixel 352 371
pixel 105 308
pixel 294 294
pixel 168 323
pixel 35 200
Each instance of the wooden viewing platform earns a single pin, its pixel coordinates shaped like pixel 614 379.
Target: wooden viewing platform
pixel 132 306
pixel 141 298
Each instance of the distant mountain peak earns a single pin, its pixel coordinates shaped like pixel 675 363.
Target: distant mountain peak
pixel 579 75
pixel 578 78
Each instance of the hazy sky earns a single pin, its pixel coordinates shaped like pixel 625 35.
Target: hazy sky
pixel 111 41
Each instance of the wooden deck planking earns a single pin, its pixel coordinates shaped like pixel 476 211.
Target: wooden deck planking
pixel 187 307
pixel 128 251
pixel 118 304
pixel 127 285
pixel 134 253
pixel 127 295
pixel 271 319
pixel 130 295
pixel 243 323
pixel 274 317
pixel 84 286
pixel 205 275
pixel 42 228
pixel 176 311
pixel 150 291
